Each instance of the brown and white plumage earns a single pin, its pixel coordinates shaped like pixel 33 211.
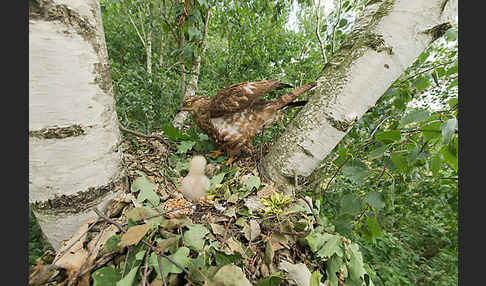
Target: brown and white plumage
pixel 238 112
pixel 195 184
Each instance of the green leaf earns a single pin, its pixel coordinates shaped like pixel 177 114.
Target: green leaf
pixel 435 164
pixel 173 133
pixel 389 136
pixel 112 242
pixel 273 280
pixel 316 239
pixel 399 160
pixel 252 181
pixel 374 229
pixel 230 275
pixel 343 23
pixel 106 276
pixel 451 35
pixel 448 130
pixel 181 256
pixel 350 204
pixel 416 115
pixel 440 71
pixel 129 278
pixel 332 246
pixel 146 189
pixel 316 278
pixel 216 180
pixel 356 171
pixel 449 157
pixel 194 33
pixel 203 137
pixel 452 70
pixel 421 83
pixel 333 266
pixel 194 237
pixel 355 267
pixel 377 153
pixel 140 255
pixel 223 258
pixel 432 131
pixel 453 84
pixel 185 146
pixel 376 200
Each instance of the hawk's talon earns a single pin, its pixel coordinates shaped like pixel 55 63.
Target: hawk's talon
pixel 215 153
pixel 230 162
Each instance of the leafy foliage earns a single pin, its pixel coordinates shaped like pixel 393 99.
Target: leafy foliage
pixel 390 186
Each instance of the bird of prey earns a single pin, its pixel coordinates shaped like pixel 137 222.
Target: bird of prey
pixel 238 112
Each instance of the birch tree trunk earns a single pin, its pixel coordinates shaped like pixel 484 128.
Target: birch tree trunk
pixel 385 40
pixel 75 162
pixel 190 89
pixel 148 50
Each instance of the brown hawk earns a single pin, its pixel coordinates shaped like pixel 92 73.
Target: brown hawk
pixel 238 112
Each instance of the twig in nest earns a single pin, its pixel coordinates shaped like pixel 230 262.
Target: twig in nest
pixel 159 261
pixel 148 136
pixel 126 261
pixel 299 234
pixel 72 282
pixel 53 264
pixel 100 262
pixel 144 279
pixel 122 229
pixel 316 217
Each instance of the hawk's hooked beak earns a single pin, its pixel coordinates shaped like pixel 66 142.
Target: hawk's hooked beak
pixel 186 108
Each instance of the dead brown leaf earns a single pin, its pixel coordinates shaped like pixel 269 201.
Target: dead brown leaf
pixel 133 235
pixel 138 213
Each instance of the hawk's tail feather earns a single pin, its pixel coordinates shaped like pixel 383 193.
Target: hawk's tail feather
pixel 289 97
pixel 282 85
pixel 295 104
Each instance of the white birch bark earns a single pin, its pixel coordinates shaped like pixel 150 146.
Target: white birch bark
pixel 385 40
pixel 190 89
pixel 74 158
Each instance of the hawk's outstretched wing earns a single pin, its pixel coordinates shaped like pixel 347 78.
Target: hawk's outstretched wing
pixel 239 96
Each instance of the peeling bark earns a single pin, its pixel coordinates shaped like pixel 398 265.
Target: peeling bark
pixel 384 41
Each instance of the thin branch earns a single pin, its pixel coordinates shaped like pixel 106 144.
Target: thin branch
pixel 333 44
pixel 136 29
pixel 86 259
pixel 145 272
pixel 53 264
pixel 126 261
pixel 147 136
pixel 424 71
pixel 100 262
pixel 205 33
pixel 318 32
pixel 164 18
pixel 159 261
pixel 140 19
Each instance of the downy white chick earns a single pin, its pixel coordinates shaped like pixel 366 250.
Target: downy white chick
pixel 195 184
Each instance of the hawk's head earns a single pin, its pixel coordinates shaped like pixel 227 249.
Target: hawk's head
pixel 195 102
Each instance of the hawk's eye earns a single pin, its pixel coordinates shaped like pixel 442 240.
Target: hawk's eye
pixel 188 104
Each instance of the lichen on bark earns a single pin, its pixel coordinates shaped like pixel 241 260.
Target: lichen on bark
pixel 79 202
